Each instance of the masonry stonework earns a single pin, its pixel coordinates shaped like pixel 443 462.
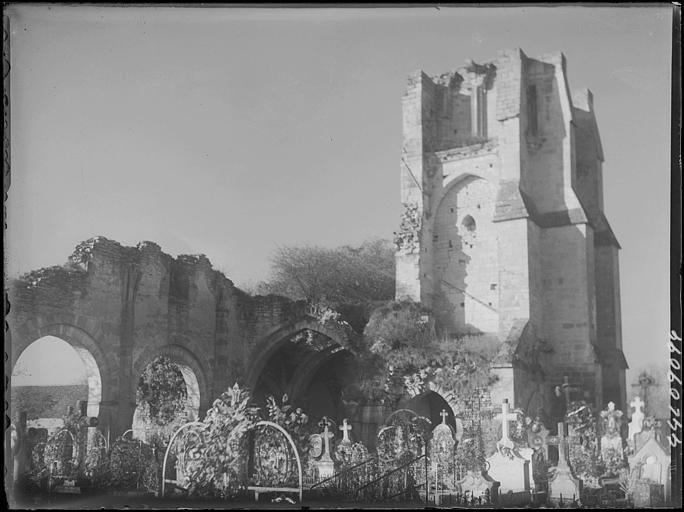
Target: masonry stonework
pixel 122 307
pixel 505 167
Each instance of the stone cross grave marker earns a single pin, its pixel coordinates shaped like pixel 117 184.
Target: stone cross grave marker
pixel 510 465
pixel 345 428
pixel 568 389
pixel 644 382
pixel 611 440
pixel 557 441
pixel 442 446
pixel 563 483
pixel 506 416
pixel 326 466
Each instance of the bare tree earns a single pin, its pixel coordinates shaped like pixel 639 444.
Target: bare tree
pixel 344 275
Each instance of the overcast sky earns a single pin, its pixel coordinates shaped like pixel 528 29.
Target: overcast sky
pixel 228 131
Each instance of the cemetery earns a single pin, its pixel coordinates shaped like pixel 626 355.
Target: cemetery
pixel 485 370
pixel 240 453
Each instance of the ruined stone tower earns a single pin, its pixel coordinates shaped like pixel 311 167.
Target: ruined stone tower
pixel 503 230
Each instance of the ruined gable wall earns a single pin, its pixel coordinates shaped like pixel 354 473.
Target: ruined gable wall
pixel 133 303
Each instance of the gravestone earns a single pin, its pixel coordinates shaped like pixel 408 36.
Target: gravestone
pixel 345 428
pixel 310 469
pixel 442 467
pixel 563 484
pixel 537 440
pixel 402 438
pixel 325 464
pixel 637 422
pixel 611 441
pixel 343 449
pixel 644 382
pixel 96 450
pixel 651 463
pixel 647 494
pixel 510 464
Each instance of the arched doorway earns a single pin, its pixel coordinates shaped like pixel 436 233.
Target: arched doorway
pixel 430 404
pixel 167 396
pixel 312 370
pixel 51 375
pixel 465 253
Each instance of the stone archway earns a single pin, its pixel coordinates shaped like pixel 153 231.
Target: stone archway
pixel 191 369
pixel 430 405
pixel 99 366
pixel 306 361
pixel 265 348
pixel 447 398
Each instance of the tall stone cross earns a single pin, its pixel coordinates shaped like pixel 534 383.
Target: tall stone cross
pixel 567 389
pixel 444 415
pixel 645 381
pixel 561 442
pixel 326 439
pixel 345 428
pixel 506 416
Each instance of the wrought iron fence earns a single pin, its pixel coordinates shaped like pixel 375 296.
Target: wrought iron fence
pixel 344 484
pixel 466 499
pixel 405 481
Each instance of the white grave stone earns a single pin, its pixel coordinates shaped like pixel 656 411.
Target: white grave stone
pixel 637 423
pixel 326 465
pixel 442 446
pixel 653 464
pixel 563 483
pixel 345 428
pixel 611 440
pixel 510 465
pixel 343 452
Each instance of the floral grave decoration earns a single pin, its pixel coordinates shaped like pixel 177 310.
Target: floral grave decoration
pixel 230 450
pixel 162 399
pixel 583 448
pixel 133 465
pixel 217 467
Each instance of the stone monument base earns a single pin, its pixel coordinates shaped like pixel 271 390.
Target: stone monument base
pixel 648 494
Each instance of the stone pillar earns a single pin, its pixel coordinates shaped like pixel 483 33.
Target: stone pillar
pixel 114 418
pixel 19 448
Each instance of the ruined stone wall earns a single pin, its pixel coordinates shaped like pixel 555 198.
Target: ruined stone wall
pixel 128 305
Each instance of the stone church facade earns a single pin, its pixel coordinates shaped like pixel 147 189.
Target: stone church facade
pixel 503 230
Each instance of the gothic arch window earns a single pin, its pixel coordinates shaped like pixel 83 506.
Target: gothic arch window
pixel 468 230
